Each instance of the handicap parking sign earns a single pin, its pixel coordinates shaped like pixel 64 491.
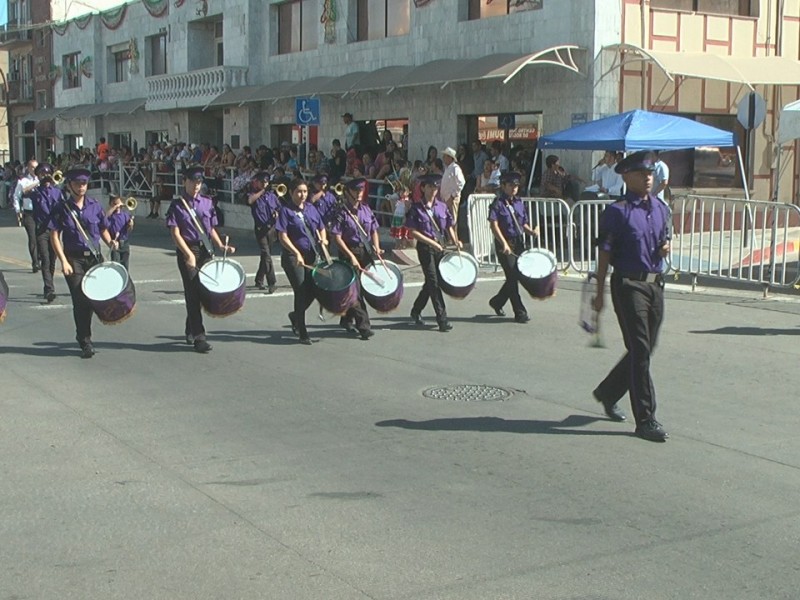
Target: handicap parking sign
pixel 306 111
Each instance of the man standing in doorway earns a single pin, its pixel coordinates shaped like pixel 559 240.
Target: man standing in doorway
pixel 351 137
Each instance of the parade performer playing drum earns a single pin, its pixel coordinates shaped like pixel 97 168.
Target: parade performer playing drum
pixel 431 223
pixel 509 222
pixel 192 222
pixel 76 226
pixel 355 230
pixel 301 232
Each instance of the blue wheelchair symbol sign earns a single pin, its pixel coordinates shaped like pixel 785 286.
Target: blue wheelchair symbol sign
pixel 306 111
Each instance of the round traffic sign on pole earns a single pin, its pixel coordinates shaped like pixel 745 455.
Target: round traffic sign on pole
pixel 752 110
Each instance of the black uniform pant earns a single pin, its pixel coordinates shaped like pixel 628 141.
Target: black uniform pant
pixel 265 266
pixel 123 254
pixel 47 258
pixel 30 228
pixel 429 262
pixel 640 309
pixel 302 286
pixel 358 313
pixel 191 291
pixel 81 307
pixel 510 289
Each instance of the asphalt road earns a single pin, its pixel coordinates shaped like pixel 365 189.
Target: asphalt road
pixel 268 469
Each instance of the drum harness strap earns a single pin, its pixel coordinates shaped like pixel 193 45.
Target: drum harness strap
pixel 439 235
pixel 510 208
pixel 95 250
pixel 314 243
pixel 204 237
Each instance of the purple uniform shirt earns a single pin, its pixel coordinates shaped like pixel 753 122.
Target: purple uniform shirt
pixel 118 224
pixel 265 210
pixel 91 217
pixel 325 205
pixel 178 216
pixel 45 199
pixel 343 224
pixel 295 223
pixel 501 211
pixel 419 219
pixel 633 232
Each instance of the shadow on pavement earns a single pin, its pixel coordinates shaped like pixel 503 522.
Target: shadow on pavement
pixel 732 330
pixel 497 425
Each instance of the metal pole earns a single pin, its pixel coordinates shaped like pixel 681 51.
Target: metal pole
pixel 745 178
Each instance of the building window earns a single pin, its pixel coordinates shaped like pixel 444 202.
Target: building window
pixel 740 8
pixel 220 50
pixel 41 99
pixel 483 9
pixel 378 19
pixel 73 141
pixel 71 68
pixel 119 140
pixel 156 54
pixel 298 26
pixel 120 65
pixel 155 137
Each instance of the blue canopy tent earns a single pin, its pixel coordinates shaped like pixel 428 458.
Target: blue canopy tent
pixel 639 130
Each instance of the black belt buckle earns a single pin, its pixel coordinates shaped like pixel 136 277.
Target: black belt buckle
pixel 643 276
pixel 86 253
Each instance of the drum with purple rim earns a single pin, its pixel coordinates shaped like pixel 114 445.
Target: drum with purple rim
pixel 3 297
pixel 458 272
pixel 335 286
pixel 382 286
pixel 222 287
pixel 538 272
pixel 110 291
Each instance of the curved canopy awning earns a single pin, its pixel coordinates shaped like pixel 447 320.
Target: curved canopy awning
pixel 437 72
pixel 789 125
pixel 86 111
pixel 749 71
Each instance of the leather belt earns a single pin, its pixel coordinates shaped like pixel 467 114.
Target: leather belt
pixel 641 276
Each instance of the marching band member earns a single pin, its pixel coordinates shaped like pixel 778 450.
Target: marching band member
pixel 509 223
pixel 355 230
pixel 76 226
pixel 430 221
pixel 45 198
pixel 300 231
pixel 264 206
pixel 192 222
pixel 322 198
pixel 23 205
pixel 120 225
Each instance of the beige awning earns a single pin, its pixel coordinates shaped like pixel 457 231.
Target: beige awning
pixel 88 111
pixel 749 71
pixel 44 114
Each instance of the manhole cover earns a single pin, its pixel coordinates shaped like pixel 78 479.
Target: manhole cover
pixel 468 393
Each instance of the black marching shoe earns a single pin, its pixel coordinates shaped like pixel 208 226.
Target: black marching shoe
pixel 498 310
pixel 347 325
pixel 202 346
pixel 366 334
pixel 306 341
pixel 523 318
pixel 613 412
pixel 50 297
pixel 445 326
pixel 416 318
pixel 35 268
pixel 87 351
pixel 260 285
pixel 271 289
pixel 293 322
pixel 189 339
pixel 651 431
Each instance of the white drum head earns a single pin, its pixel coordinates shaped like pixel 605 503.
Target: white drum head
pixel 104 281
pixel 537 263
pixel 222 275
pixel 459 270
pixel 384 280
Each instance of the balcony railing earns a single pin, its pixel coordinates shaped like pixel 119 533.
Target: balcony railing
pixel 12 37
pixel 193 89
pixel 20 91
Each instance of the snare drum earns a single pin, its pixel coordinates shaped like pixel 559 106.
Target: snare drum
pixel 538 272
pixel 222 285
pixel 110 291
pixel 335 286
pixel 382 286
pixel 3 297
pixel 458 273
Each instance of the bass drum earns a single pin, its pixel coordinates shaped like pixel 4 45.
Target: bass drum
pixel 335 286
pixel 382 286
pixel 110 291
pixel 538 272
pixel 222 287
pixel 458 273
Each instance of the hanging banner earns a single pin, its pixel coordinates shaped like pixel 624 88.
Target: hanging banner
pixel 60 28
pixel 83 22
pixel 156 8
pixel 113 18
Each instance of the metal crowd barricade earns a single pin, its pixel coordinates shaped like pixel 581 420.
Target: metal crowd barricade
pixel 551 215
pixel 585 219
pixel 135 180
pixel 736 240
